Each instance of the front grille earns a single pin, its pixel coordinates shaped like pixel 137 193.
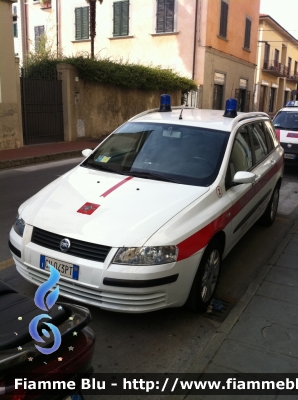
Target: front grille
pixel 291 150
pixel 78 248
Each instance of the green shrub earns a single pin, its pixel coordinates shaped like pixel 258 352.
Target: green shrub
pixel 118 73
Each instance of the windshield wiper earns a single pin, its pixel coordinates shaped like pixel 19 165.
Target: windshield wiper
pixel 103 168
pixel 150 175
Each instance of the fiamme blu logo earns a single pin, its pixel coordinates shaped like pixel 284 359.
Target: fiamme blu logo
pixel 45 303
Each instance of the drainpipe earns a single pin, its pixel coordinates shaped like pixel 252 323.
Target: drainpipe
pixel 195 41
pixel 24 30
pixel 57 28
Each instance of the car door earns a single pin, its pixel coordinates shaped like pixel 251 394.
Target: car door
pixel 245 196
pixel 264 163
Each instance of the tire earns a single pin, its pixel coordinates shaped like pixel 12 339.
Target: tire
pixel 206 278
pixel 269 215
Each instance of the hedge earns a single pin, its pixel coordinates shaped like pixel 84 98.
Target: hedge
pixel 129 75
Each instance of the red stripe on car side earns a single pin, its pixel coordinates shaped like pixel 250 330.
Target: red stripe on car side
pixel 105 194
pixel 200 239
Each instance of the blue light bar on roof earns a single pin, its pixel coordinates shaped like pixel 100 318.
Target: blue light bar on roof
pixel 231 108
pixel 165 103
pixel 292 103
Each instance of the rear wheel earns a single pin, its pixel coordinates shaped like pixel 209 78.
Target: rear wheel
pixel 206 278
pixel 269 215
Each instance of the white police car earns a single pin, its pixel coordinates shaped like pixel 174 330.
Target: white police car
pixel 145 220
pixel 286 126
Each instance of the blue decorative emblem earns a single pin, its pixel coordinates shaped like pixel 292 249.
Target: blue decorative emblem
pixel 65 245
pixel 45 303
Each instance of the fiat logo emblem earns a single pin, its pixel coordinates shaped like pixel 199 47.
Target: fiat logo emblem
pixel 65 245
pixel 289 145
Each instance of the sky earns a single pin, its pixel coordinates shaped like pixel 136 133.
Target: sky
pixel 285 12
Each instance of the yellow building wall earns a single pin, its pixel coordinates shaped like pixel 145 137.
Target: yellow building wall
pixel 278 39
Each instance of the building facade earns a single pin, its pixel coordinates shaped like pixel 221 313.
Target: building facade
pixel 213 42
pixel 10 102
pixel 277 66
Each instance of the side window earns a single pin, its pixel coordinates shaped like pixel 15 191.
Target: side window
pixel 121 18
pixel 259 141
pixel 272 132
pixel 165 16
pixel 269 139
pixel 241 155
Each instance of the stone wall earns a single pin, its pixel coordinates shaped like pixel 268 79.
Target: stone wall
pixel 9 126
pixel 95 110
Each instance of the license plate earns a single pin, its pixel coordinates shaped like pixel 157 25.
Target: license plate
pixel 64 268
pixel 290 156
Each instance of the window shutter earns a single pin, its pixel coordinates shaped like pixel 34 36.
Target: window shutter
pixel 125 18
pixel 78 26
pixel 82 23
pixel 160 16
pixel 165 11
pixel 247 34
pixel 170 9
pixel 85 22
pixel 223 19
pixel 116 18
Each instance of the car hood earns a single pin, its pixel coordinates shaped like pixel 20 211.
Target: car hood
pixel 124 211
pixel 287 135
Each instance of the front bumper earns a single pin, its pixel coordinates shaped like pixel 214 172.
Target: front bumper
pixel 122 288
pixel 290 153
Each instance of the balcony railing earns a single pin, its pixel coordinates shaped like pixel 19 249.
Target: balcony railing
pixel 276 68
pixel 293 78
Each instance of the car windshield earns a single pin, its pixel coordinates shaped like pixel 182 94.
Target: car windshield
pixel 286 120
pixel 174 153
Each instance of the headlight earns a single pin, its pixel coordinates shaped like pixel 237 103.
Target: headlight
pixel 146 255
pixel 19 225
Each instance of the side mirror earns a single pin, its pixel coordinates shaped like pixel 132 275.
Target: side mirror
pixel 86 152
pixel 244 177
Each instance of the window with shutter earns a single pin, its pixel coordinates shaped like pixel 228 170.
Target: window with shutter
pixel 223 26
pixel 38 31
pixel 120 18
pixel 82 23
pixel 247 34
pixel 165 12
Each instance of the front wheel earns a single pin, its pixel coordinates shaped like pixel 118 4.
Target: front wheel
pixel 269 215
pixel 206 278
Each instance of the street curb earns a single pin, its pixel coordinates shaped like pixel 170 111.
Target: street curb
pixel 201 363
pixel 205 357
pixel 6 164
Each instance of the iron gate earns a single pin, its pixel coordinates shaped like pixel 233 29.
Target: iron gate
pixel 42 109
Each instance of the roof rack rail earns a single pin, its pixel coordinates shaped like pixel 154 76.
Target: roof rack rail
pixel 249 115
